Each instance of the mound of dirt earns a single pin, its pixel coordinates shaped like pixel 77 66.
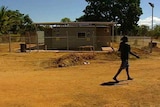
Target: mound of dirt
pixel 73 59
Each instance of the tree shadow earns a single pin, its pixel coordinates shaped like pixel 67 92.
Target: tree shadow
pixel 112 83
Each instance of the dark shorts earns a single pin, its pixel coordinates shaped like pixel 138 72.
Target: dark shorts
pixel 124 64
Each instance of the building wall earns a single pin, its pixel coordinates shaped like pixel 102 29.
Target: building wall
pixel 34 37
pixel 74 37
pixel 103 35
pixel 48 39
pixel 81 37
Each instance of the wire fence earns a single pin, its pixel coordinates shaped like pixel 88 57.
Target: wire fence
pixel 17 43
pixel 10 43
pixel 136 41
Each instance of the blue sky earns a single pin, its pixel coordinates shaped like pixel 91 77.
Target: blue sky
pixel 55 10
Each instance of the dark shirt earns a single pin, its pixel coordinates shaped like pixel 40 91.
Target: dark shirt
pixel 124 50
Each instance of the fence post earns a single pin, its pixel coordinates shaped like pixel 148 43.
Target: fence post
pixel 10 43
pixel 67 40
pixel 151 43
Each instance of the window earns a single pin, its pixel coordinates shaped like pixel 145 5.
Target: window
pixel 81 35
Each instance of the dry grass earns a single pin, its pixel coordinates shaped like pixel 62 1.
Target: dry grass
pixel 26 81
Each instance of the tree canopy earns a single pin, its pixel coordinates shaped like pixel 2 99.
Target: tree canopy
pixel 14 21
pixel 156 31
pixel 124 12
pixel 65 19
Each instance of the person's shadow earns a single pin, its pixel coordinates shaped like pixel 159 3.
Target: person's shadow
pixel 112 83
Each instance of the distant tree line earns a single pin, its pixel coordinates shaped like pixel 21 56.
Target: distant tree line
pixel 146 31
pixel 66 19
pixel 12 21
pixel 125 13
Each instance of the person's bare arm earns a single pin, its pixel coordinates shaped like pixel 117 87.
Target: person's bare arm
pixel 134 54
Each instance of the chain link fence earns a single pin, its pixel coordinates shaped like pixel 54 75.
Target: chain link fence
pixel 140 42
pixel 28 43
pixel 14 43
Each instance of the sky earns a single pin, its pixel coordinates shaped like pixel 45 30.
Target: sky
pixel 55 10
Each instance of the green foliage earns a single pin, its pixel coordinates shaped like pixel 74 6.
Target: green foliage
pixel 65 19
pixel 143 30
pixel 14 21
pixel 3 20
pixel 157 31
pixel 124 12
pixel 40 28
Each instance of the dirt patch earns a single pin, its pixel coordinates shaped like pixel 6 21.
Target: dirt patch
pixel 73 59
pixel 25 83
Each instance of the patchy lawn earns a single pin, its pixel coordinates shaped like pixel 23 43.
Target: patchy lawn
pixel 31 80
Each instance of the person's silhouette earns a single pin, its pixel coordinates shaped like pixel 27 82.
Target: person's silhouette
pixel 124 50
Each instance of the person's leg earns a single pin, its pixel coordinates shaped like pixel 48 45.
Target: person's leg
pixel 118 72
pixel 122 66
pixel 128 76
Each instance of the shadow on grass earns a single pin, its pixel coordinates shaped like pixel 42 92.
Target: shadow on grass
pixel 113 83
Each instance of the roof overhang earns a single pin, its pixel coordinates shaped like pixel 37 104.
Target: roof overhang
pixel 78 23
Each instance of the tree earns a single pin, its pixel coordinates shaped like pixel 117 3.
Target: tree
pixel 65 19
pixel 14 21
pixel 124 12
pixel 129 14
pixel 26 24
pixel 3 20
pixel 143 30
pixel 156 31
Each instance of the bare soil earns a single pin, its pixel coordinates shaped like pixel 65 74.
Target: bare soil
pixel 32 80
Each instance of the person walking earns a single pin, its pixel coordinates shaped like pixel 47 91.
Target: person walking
pixel 124 50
